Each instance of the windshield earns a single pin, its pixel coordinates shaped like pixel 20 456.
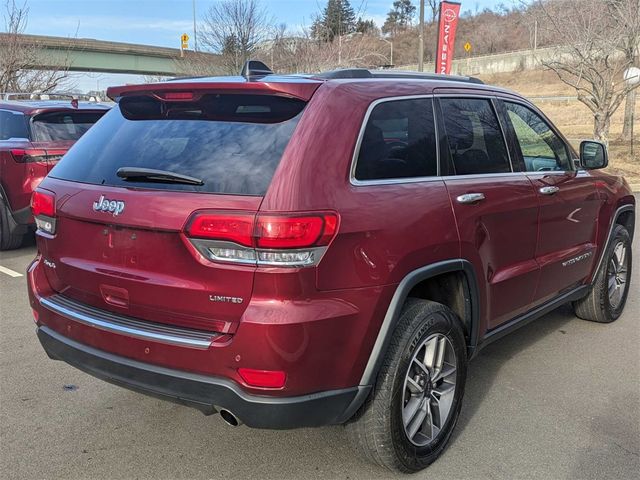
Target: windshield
pixel 237 153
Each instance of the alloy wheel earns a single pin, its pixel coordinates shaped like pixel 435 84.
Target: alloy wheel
pixel 617 274
pixel 429 389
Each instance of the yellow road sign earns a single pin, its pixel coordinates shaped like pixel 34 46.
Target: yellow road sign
pixel 184 41
pixel 467 47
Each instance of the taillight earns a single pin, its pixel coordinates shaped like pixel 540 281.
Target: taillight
pixel 265 239
pixel 43 207
pixel 263 378
pixel 281 231
pixel 237 228
pixel 31 155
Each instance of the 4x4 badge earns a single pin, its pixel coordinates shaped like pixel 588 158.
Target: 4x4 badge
pixel 105 205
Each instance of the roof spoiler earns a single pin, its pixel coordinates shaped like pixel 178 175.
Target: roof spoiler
pixel 255 68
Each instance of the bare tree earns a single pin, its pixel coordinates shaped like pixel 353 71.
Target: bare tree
pixel 434 7
pixel 235 29
pixel 593 35
pixel 629 14
pixel 19 55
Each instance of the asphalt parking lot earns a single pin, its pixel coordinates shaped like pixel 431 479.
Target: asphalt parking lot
pixel 559 398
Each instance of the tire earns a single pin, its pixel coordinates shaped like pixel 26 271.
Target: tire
pixel 10 238
pixel 599 305
pixel 377 431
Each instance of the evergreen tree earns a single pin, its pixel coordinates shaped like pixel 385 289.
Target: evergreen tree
pixel 399 17
pixel 338 18
pixel 367 26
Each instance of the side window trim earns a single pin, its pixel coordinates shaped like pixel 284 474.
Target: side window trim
pixel 390 181
pixel 548 123
pixel 443 140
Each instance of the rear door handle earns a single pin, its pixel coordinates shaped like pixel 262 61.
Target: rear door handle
pixel 470 198
pixel 548 190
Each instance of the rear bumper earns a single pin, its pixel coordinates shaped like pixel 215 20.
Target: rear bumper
pixel 206 393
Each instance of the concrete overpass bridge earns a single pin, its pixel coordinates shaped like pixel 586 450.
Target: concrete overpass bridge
pixel 88 55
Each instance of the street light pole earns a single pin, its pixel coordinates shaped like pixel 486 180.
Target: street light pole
pixel 195 30
pixel 391 47
pixel 421 38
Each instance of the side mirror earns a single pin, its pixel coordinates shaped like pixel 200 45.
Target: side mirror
pixel 593 155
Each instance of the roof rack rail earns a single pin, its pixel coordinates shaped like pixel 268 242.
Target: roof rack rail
pixel 366 73
pixel 26 96
pixel 345 73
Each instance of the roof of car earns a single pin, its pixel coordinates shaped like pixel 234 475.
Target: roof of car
pixel 39 106
pixel 304 85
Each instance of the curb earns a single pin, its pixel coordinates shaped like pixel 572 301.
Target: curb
pixel 635 187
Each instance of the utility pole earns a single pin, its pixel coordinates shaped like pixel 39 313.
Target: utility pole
pixel 195 31
pixel 421 38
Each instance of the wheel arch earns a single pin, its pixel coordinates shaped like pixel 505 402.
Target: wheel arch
pixel 412 281
pixel 625 216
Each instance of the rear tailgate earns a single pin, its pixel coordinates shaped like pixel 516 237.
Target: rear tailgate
pixel 119 243
pixel 138 263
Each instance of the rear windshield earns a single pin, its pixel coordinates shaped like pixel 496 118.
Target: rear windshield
pixel 233 143
pixel 13 125
pixel 61 126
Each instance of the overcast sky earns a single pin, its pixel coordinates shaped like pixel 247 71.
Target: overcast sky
pixel 161 22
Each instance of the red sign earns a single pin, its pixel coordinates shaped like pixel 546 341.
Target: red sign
pixel 449 13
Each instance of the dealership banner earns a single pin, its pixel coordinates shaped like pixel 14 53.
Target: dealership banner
pixel 449 13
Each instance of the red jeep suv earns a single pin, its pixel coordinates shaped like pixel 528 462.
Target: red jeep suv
pixel 298 251
pixel 34 134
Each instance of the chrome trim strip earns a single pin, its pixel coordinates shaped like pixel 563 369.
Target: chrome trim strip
pixel 127 326
pixel 614 217
pixel 437 178
pixel 203 246
pixel 482 175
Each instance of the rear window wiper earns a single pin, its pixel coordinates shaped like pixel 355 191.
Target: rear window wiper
pixel 151 175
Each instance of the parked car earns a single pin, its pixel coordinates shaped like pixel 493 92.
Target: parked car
pixel 298 251
pixel 34 134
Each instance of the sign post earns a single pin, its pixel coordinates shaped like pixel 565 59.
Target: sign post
pixel 184 43
pixel 467 48
pixel 448 23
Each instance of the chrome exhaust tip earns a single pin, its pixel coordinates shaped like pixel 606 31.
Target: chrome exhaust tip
pixel 230 418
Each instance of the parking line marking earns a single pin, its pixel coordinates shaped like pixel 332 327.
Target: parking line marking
pixel 9 272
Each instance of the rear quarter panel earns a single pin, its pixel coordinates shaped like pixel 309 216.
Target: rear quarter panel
pixel 385 231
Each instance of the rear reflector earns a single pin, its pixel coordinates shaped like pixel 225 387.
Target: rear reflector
pixel 263 378
pixel 43 204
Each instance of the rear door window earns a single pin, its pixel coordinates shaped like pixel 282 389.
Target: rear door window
pixel 63 126
pixel 233 143
pixel 13 125
pixel 474 137
pixel 399 141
